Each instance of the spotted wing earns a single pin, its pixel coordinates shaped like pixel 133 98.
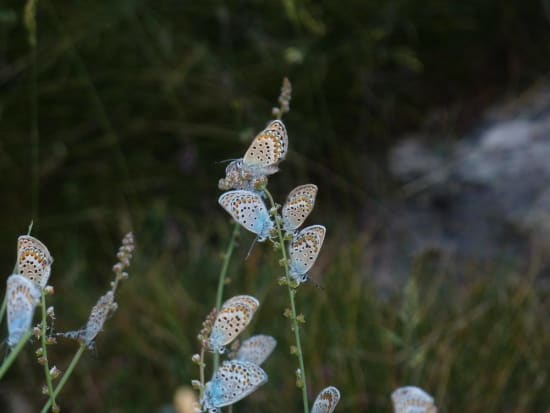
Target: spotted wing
pixel 230 321
pixel 326 401
pixel 33 260
pixel 22 297
pixel 304 249
pixel 411 399
pixel 233 381
pixel 249 210
pixel 267 149
pixel 298 206
pixel 256 349
pixel 248 300
pixel 98 316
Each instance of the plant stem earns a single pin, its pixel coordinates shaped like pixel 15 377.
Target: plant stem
pixel 291 294
pixel 13 353
pixel 45 352
pixel 201 370
pixel 65 377
pixel 3 308
pixel 223 274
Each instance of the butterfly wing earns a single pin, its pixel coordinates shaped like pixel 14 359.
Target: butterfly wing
pixel 298 206
pixel 256 349
pixel 98 316
pixel 267 149
pixel 233 381
pixel 233 317
pixel 248 300
pixel 411 399
pixel 22 297
pixel 304 249
pixel 33 260
pixel 326 401
pixel 249 210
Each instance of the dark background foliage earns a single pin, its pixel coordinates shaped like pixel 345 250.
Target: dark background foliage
pixel 137 101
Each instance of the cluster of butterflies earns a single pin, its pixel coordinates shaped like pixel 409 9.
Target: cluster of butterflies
pixel 240 376
pixel 237 378
pixel 411 399
pixel 32 271
pixel 250 211
pixel 24 287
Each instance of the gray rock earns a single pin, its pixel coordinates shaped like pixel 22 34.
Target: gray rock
pixel 482 199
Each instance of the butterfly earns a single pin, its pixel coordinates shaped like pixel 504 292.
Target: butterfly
pixel 303 251
pixel 411 399
pixel 233 381
pixel 98 316
pixel 256 349
pixel 22 298
pixel 326 401
pixel 298 206
pixel 33 260
pixel 233 317
pixel 248 209
pixel 267 149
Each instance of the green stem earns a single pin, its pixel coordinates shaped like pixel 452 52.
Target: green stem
pixel 223 274
pixel 45 352
pixel 65 377
pixel 201 370
pixel 291 294
pixel 13 354
pixel 3 308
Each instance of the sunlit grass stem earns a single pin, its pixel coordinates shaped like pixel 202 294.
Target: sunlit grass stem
pixel 291 294
pixel 65 378
pixel 14 353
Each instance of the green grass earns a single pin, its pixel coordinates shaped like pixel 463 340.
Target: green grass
pixel 476 346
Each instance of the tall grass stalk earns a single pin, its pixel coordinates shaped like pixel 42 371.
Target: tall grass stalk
pixel 221 280
pixel 65 378
pixel 14 353
pixel 293 316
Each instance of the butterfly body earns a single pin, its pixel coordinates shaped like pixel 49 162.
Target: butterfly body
pixel 233 381
pixel 249 210
pixel 304 249
pixel 22 297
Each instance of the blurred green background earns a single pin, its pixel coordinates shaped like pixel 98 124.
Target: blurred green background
pixel 138 101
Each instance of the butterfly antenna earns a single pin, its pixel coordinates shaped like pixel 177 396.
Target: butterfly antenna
pixel 30 227
pixel 251 246
pixel 227 160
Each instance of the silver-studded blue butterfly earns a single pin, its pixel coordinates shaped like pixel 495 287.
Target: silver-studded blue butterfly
pixel 232 318
pixel 23 296
pixel 303 251
pixel 249 210
pixel 233 381
pixel 326 401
